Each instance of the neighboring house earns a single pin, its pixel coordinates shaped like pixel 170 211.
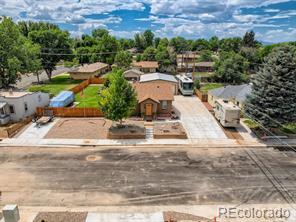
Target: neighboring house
pixel 146 66
pixel 161 78
pixel 133 75
pixel 205 67
pixel 234 93
pixel 15 106
pixel 187 61
pixel 154 100
pixel 89 70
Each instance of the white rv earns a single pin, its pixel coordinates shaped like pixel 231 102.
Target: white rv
pixel 186 85
pixel 227 113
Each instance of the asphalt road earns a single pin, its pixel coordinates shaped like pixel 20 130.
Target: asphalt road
pixel 27 79
pixel 140 176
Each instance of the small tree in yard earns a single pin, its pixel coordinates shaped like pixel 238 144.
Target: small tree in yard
pixel 118 101
pixel 273 98
pixel 123 59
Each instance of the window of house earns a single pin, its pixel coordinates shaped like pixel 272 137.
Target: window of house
pixel 26 106
pixel 11 109
pixel 164 104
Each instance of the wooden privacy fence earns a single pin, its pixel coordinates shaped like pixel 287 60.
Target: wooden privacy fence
pixel 202 96
pixel 69 112
pixel 86 83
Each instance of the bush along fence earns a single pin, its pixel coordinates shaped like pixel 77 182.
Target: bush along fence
pixel 73 111
pixel 202 95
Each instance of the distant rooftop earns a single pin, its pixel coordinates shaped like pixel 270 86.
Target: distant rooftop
pixel 14 94
pixel 157 76
pixel 146 64
pixel 238 92
pixel 91 67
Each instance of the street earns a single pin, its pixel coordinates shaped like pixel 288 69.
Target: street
pixel 142 176
pixel 28 79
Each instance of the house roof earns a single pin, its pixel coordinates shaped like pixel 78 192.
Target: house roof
pixel 134 71
pixel 14 94
pixel 238 92
pixel 205 64
pixel 86 68
pixel 157 76
pixel 146 64
pixel 154 91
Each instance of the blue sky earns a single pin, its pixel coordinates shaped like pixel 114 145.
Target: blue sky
pixel 272 20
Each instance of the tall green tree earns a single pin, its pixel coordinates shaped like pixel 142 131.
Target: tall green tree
pixel 149 54
pixel 55 46
pixel 231 68
pixel 148 36
pixel 99 33
pixel 123 59
pixel 179 44
pixel 166 57
pixel 206 56
pixel 139 42
pixel 118 101
pixel 249 39
pixel 231 44
pixel 273 98
pixel 214 43
pixel 17 54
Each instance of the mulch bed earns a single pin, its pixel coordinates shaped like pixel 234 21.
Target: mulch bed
pixel 169 131
pixel 131 130
pixel 61 217
pixel 171 216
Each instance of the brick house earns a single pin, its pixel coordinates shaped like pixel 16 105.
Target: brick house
pixel 154 100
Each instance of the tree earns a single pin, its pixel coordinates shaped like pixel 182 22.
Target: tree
pixel 17 54
pixel 29 26
pixel 123 59
pixel 148 37
pixel 249 39
pixel 139 42
pixel 55 45
pixel 118 101
pixel 99 33
pixel 231 68
pixel 214 43
pixel 149 54
pixel 273 98
pixel 200 44
pixel 166 57
pixel 253 57
pixel 231 44
pixel 179 44
pixel 206 56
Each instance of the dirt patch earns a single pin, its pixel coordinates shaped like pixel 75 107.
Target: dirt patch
pixel 171 216
pixel 232 133
pixel 61 217
pixel 79 128
pixel 169 131
pixel 131 130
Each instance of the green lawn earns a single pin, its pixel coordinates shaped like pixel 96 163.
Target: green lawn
pixel 251 123
pixel 203 74
pixel 89 98
pixel 209 86
pixel 57 84
pixel 289 128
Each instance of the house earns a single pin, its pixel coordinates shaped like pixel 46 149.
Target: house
pixel 146 66
pixel 204 67
pixel 154 99
pixel 161 78
pixel 234 93
pixel 133 75
pixel 16 106
pixel 187 61
pixel 89 70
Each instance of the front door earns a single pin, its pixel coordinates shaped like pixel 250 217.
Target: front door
pixel 149 107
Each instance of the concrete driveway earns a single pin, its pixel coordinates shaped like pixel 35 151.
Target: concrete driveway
pixel 197 120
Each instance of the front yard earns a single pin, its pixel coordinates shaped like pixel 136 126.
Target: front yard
pixel 209 86
pixel 88 97
pixel 58 83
